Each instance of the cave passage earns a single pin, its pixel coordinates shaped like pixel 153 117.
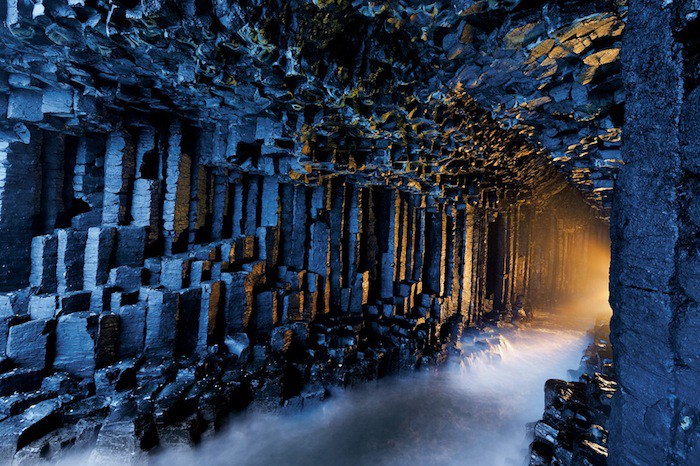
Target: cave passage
pixel 349 231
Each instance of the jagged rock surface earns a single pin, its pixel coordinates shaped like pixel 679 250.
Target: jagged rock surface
pixel 573 430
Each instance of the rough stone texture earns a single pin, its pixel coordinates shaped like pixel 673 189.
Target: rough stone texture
pixel 28 344
pixel 654 417
pixel 19 157
pixel 75 345
pixel 132 328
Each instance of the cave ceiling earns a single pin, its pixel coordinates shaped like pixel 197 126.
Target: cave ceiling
pixel 439 96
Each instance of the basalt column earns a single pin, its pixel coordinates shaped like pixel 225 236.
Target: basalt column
pixel 142 227
pixel 19 202
pixel 655 263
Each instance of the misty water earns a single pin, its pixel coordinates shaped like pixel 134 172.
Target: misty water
pixel 473 416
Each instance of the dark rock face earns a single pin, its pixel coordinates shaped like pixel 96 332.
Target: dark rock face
pixel 653 284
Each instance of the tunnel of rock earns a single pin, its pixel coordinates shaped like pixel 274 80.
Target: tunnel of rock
pixel 130 207
pixel 338 178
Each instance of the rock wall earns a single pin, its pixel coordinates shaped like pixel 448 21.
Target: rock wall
pixel 654 279
pixel 160 274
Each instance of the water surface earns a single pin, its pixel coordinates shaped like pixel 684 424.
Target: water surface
pixel 475 416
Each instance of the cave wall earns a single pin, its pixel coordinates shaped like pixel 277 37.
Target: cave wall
pixel 149 207
pixel 138 261
pixel 654 274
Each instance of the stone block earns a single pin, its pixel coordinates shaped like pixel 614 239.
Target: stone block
pixel 25 105
pixel 188 321
pixel 132 330
pixel 313 282
pixel 311 305
pixel 120 438
pixel 119 168
pixel 388 310
pixel 161 322
pixel 293 213
pixel 265 312
pixel 152 266
pixel 387 276
pixel 175 272
pixel 98 251
pixel 220 251
pixel 211 316
pixel 107 343
pixel 251 205
pixel 117 377
pixel 238 344
pixel 257 273
pixel 15 302
pixel 118 299
pixel 43 306
pixel 289 337
pixel 358 294
pixel 238 301
pixel 269 216
pixel 220 201
pixel 8 317
pixel 318 254
pixel 243 249
pixel 268 244
pixel 144 205
pixel 76 301
pixel 293 306
pixel 75 344
pixel 19 431
pixel 345 300
pixel 127 279
pixel 130 246
pixel 176 205
pixel 200 271
pixel 291 279
pixel 44 253
pixel 28 343
pixel 70 260
pixel 57 101
pixel 215 272
pixel 100 298
pixel 20 380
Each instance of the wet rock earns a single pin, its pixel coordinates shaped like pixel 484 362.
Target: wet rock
pixel 238 344
pixel 572 430
pixel 124 436
pixel 91 407
pixel 19 431
pixel 98 251
pixel 20 380
pixel 117 377
pixel 127 279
